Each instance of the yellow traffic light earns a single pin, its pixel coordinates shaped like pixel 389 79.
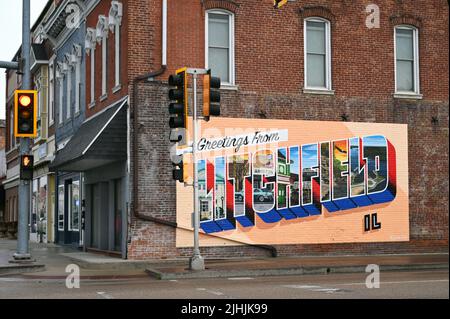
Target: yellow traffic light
pixel 25 113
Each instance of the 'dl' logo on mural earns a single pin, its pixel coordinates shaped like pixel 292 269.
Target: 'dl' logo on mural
pixel 292 182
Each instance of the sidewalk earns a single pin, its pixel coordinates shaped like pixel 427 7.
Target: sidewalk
pixel 300 266
pixel 51 262
pixel 54 260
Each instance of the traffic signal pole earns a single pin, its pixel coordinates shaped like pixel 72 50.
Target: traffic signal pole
pixel 23 253
pixel 196 262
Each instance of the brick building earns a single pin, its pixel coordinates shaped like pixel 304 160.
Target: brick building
pixel 319 60
pixel 353 75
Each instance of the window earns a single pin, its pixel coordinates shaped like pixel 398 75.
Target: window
pixel 317 54
pixel 61 207
pixel 115 20
pixel 90 44
pixel 61 82
pixel 73 190
pixel 51 94
pixel 406 60
pixel 69 91
pixel 104 64
pixel 219 37
pixel 77 56
pixel 12 140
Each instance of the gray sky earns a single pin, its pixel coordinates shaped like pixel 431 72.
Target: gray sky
pixel 11 35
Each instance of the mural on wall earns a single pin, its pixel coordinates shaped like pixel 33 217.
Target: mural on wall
pixel 287 182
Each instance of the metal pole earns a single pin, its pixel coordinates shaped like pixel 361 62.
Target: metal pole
pixel 24 186
pixel 196 262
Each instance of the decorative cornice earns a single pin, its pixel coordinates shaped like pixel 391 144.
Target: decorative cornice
pixel 406 19
pixel 316 11
pixel 228 5
pixel 115 15
pixel 102 28
pixel 89 40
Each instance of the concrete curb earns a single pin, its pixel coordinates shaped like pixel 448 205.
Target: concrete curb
pixel 319 270
pixel 20 269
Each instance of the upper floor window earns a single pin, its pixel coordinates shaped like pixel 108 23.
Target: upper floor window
pixel 12 138
pixel 406 60
pixel 317 44
pixel 51 92
pixel 219 35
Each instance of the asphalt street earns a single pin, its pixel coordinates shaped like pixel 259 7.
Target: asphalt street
pixel 393 285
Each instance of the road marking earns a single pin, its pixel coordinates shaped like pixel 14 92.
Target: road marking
pixel 217 293
pixel 394 282
pixel 173 280
pixel 105 295
pixel 240 278
pixel 302 286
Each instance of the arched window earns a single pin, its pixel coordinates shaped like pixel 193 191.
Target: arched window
pixel 317 51
pixel 406 39
pixel 219 44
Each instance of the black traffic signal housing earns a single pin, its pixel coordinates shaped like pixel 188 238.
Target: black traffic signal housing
pixel 178 122
pixel 179 101
pixel 26 167
pixel 25 113
pixel 211 96
pixel 279 3
pixel 178 171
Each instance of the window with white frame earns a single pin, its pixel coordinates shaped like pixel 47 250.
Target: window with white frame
pixel 115 20
pixel 69 90
pixel 76 56
pixel 406 60
pixel 317 44
pixel 102 37
pixel 219 36
pixel 90 44
pixel 60 81
pixel 51 93
pixel 12 141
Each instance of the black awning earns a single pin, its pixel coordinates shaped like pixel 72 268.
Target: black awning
pixel 100 140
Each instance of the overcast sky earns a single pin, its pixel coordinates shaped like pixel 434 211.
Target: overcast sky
pixel 11 35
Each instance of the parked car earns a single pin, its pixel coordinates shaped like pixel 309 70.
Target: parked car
pixel 239 196
pixel 262 195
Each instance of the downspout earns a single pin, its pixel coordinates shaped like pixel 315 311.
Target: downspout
pixel 135 81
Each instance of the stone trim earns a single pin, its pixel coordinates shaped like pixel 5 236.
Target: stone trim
pixel 316 11
pixel 406 19
pixel 228 5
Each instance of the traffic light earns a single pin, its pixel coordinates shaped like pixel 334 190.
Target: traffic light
pixel 178 171
pixel 25 113
pixel 211 96
pixel 178 108
pixel 178 122
pixel 26 167
pixel 279 3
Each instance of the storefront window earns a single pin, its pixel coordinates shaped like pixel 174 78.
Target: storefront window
pixel 33 219
pixel 75 205
pixel 61 207
pixel 42 205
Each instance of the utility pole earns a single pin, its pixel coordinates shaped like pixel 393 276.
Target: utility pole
pixel 23 252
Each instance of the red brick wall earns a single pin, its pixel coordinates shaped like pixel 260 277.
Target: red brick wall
pixel 103 7
pixel 269 75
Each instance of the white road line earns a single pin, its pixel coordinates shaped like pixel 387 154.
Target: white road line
pixel 105 295
pixel 394 282
pixel 241 278
pixel 302 286
pixel 217 293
